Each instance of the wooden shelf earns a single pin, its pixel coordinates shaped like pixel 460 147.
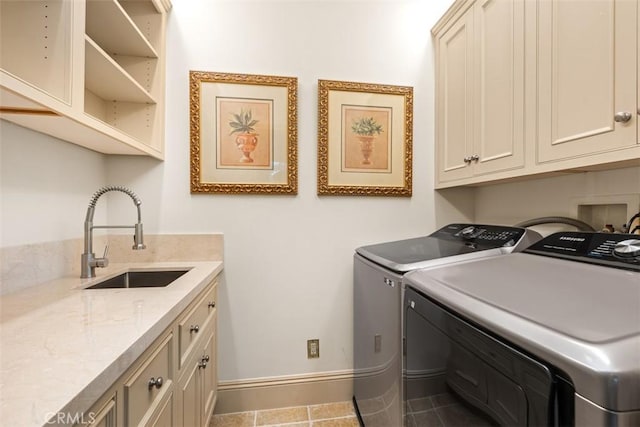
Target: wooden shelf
pixel 114 31
pixel 106 79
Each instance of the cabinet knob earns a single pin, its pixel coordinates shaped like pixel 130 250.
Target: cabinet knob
pixel 470 159
pixel 202 364
pixel 212 304
pixel 622 116
pixel 205 358
pixel 194 328
pixel 155 382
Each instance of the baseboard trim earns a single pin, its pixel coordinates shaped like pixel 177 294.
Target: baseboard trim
pixel 278 392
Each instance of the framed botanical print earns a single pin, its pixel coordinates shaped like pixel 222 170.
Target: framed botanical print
pixel 364 139
pixel 243 133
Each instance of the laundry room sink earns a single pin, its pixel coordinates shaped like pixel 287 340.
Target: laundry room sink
pixel 140 279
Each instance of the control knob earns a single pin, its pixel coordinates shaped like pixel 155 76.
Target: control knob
pixel 468 232
pixel 628 249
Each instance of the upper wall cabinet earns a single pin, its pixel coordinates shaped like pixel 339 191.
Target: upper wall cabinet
pixel 525 88
pixel 90 72
pixel 480 90
pixel 587 77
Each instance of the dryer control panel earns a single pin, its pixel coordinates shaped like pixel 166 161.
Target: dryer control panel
pixel 609 249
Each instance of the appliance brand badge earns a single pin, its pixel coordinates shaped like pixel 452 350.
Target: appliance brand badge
pixel 572 239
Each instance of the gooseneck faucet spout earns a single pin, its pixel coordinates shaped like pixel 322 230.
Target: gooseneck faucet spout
pixel 88 258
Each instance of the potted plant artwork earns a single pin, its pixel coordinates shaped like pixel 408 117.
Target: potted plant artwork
pixel 366 129
pixel 246 140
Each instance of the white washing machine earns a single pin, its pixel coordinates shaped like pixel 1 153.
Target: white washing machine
pixel 546 337
pixel 378 293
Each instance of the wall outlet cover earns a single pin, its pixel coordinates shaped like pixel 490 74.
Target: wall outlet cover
pixel 313 349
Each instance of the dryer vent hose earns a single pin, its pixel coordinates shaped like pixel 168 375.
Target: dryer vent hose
pixel 580 225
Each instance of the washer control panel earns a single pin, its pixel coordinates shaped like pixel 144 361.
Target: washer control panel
pixel 610 249
pixel 485 235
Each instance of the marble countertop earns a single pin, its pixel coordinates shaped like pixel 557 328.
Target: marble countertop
pixel 62 346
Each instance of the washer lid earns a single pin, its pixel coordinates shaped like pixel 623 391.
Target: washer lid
pixel 407 255
pixel 453 240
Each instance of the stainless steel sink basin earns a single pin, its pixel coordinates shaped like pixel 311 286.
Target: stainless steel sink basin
pixel 140 279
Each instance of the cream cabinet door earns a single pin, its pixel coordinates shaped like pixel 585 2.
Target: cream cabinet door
pixel 209 378
pixel 480 91
pixel 454 98
pixel 106 416
pixel 586 76
pixel 189 408
pixel 499 86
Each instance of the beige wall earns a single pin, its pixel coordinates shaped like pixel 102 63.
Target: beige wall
pixel 288 266
pixel 511 203
pixel 288 259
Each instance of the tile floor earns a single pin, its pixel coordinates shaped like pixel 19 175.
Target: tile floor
pixel 340 414
pixel 444 410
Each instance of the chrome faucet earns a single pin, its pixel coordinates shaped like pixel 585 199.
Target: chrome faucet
pixel 88 258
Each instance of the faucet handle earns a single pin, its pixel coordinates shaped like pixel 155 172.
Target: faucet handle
pixel 103 262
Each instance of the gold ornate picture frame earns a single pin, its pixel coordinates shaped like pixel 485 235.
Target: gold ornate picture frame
pixel 243 133
pixel 365 134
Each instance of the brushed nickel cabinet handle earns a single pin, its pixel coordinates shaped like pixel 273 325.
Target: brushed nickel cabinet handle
pixel 622 116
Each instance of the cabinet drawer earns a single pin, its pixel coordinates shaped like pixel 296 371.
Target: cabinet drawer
pixel 195 322
pixel 147 387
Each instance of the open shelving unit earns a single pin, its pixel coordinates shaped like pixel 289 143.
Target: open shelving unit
pixel 90 72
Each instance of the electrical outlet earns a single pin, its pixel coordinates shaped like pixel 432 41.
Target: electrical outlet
pixel 313 349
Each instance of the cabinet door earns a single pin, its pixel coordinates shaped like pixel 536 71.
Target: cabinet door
pixel 499 85
pixel 454 96
pixel 104 417
pixel 189 407
pixel 209 378
pixel 586 74
pixel 164 418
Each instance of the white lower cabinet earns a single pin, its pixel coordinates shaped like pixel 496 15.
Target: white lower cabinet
pixel 197 386
pixel 104 415
pixel 147 390
pixel 197 353
pixel 148 394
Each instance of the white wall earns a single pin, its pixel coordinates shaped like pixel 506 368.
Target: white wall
pixel 288 262
pixel 511 203
pixel 45 187
pixel 287 258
